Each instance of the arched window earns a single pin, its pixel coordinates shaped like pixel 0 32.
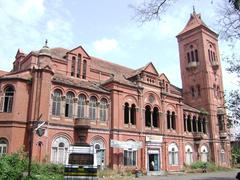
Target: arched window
pixel 98 145
pixel 79 65
pixel 84 69
pixel 126 113
pixel 173 119
pixel 133 114
pixel 192 54
pixel 188 155
pixel 194 124
pixel 184 122
pixel 59 150
pixel 168 120
pixel 73 66
pixel 222 156
pixel 199 124
pixel 204 126
pixel 189 126
pixel 56 103
pixel 211 54
pixel 173 154
pixel 7 100
pixel 3 146
pixel 81 104
pixel 92 108
pixel 69 105
pixel 103 110
pixel 204 153
pixel 148 116
pixel 155 117
pixel 130 156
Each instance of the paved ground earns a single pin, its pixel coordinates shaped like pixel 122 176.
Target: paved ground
pixel 229 175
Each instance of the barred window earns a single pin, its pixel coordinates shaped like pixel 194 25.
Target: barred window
pixel 56 103
pixel 81 104
pixel 92 108
pixel 6 101
pixel 59 150
pixel 69 105
pixel 103 110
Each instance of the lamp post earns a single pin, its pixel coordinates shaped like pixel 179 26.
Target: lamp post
pixel 33 128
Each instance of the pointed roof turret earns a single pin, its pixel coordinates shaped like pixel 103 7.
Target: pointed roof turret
pixel 195 21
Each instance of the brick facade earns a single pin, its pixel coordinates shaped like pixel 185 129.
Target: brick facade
pixel 85 99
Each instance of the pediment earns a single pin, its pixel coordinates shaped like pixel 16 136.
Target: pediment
pixel 164 77
pixel 151 69
pixel 79 50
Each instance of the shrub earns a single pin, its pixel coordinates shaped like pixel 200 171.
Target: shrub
pixel 12 166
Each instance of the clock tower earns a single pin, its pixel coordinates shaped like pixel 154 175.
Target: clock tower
pixel 202 81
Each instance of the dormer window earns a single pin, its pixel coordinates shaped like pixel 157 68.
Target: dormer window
pixel 84 69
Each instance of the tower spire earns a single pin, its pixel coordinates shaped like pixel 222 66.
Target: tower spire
pixel 194 12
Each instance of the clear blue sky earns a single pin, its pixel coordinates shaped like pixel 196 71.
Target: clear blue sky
pixel 105 28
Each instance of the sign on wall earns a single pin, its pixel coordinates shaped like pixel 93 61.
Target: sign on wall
pixel 126 144
pixel 154 138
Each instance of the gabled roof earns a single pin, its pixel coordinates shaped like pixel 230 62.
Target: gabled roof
pixel 2 73
pixel 190 108
pixel 194 22
pixel 150 68
pixel 164 76
pixel 79 48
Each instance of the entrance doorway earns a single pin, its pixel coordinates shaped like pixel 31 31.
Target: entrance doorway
pixel 153 162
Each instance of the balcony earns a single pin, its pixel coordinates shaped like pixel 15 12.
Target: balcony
pixel 215 65
pixel 223 134
pixel 192 65
pixel 82 123
pixel 197 136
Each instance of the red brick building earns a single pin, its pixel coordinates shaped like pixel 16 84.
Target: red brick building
pixel 133 117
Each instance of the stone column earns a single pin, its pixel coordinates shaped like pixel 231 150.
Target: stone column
pixel 75 107
pixel 62 110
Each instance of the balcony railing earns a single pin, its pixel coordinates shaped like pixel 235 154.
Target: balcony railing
pixel 223 134
pixel 192 65
pixel 82 122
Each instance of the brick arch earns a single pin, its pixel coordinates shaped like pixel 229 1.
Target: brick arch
pixel 170 107
pixel 94 95
pixel 130 100
pixel 156 96
pixel 58 88
pixel 61 134
pixel 97 139
pixel 71 90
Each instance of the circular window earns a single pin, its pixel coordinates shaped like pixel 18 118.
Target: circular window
pixel 151 99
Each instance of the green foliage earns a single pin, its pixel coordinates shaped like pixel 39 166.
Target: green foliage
pixel 209 166
pixel 235 155
pixel 12 166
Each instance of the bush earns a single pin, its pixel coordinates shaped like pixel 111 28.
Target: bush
pixel 12 166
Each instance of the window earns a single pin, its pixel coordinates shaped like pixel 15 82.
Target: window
pixel 173 121
pixel 196 55
pixel 126 113
pixel 173 154
pixel 84 69
pixel 155 117
pixel 148 116
pixel 81 104
pixel 188 155
pixel 204 153
pixel 3 146
pixel 222 156
pixel 220 122
pixel 168 120
pixel 189 126
pixel 204 126
pixel 79 65
pixel 184 122
pixel 194 124
pixel 103 110
pixel 199 124
pixel 92 108
pixel 6 102
pixel 198 90
pixel 193 91
pixel 73 66
pixel 211 54
pixel 129 157
pixel 56 103
pixel 192 54
pixel 69 105
pixel 133 114
pixel 59 150
pixel 98 145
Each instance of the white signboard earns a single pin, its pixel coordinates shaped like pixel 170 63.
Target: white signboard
pixel 126 144
pixel 154 138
